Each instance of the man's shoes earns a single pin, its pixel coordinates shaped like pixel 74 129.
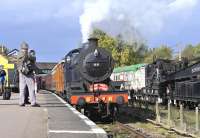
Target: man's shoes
pixel 35 105
pixel 22 105
pixel 27 102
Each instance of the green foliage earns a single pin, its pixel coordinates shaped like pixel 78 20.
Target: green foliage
pixel 162 52
pixel 124 53
pixel 197 50
pixel 149 56
pixel 3 50
pixel 128 53
pixel 191 51
pixel 188 52
pixel 105 40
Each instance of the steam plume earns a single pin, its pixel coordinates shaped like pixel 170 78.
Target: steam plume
pixel 131 18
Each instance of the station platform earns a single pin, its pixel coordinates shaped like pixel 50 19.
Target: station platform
pixel 54 119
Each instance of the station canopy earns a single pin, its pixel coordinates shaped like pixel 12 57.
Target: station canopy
pixel 128 68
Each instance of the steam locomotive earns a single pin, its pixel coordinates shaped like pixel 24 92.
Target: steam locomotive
pixel 83 79
pixel 178 82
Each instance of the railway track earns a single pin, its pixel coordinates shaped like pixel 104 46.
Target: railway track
pixel 135 133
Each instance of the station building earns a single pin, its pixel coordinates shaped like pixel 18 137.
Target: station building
pixel 8 65
pixel 133 76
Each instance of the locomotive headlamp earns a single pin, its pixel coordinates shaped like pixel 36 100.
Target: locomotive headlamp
pixel 96 64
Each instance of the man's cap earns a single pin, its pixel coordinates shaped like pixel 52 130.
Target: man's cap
pixel 24 45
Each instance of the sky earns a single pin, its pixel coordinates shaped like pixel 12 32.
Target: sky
pixel 52 28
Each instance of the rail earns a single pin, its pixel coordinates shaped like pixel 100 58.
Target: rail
pixel 138 133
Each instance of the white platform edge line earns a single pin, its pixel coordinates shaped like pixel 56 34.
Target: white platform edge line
pixel 93 126
pixel 75 132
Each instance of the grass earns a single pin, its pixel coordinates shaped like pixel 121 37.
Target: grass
pixel 148 127
pixel 132 116
pixel 114 131
pixel 189 118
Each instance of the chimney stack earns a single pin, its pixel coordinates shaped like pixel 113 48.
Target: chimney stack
pixel 93 42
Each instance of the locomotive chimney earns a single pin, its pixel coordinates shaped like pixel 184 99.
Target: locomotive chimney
pixel 93 42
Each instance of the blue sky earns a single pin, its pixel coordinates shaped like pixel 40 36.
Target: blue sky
pixel 52 27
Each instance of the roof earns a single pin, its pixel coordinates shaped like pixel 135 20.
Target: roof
pixel 46 65
pixel 128 68
pixel 62 61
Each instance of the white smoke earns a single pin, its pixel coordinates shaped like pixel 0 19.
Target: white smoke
pixel 131 18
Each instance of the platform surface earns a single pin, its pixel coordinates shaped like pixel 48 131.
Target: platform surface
pixel 54 119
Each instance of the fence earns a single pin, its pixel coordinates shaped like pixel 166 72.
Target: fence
pixel 179 118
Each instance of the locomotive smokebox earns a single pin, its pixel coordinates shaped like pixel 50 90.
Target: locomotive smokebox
pixel 93 42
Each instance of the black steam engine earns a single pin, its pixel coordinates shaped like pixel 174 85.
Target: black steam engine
pixel 87 80
pixel 175 81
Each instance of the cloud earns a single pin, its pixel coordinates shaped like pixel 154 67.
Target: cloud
pixel 178 5
pixel 49 26
pixel 146 18
pixel 28 11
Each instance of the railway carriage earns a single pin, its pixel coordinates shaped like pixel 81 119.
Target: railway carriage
pixel 58 78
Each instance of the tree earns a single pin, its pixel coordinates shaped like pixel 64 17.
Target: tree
pixel 149 57
pixel 188 52
pixel 124 53
pixel 140 50
pixel 4 50
pixel 197 51
pixel 105 40
pixel 163 52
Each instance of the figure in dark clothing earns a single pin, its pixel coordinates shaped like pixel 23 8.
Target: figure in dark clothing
pixel 2 80
pixel 26 67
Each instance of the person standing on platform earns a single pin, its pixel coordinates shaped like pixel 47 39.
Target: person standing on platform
pixel 2 80
pixel 26 67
